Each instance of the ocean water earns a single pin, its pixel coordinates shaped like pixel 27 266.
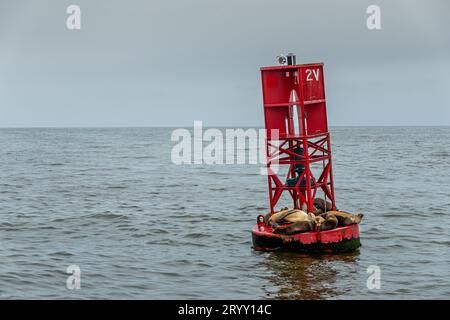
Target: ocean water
pixel 140 227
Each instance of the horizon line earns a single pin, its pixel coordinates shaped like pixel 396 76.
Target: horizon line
pixel 221 126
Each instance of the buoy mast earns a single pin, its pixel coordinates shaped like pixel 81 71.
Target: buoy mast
pixel 297 133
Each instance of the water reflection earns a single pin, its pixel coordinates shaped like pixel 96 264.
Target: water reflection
pixel 303 276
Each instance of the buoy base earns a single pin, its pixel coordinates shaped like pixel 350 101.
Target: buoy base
pixel 342 239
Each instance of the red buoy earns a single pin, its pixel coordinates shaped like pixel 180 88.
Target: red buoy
pixel 298 139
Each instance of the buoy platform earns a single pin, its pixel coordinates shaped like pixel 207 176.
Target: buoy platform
pixel 341 239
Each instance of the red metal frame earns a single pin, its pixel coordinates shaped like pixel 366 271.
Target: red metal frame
pixel 300 88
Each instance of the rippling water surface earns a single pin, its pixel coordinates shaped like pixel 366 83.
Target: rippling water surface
pixel 112 202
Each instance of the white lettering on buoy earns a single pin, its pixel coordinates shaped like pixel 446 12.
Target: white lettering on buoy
pixel 312 72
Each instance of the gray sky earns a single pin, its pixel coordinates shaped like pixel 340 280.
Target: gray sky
pixel 168 63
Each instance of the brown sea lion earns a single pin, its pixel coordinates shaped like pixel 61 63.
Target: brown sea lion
pixel 277 216
pixel 268 215
pixel 319 220
pixel 345 218
pixel 295 227
pixel 299 215
pixel 319 203
pixel 329 222
pixel 317 211
pixel 289 216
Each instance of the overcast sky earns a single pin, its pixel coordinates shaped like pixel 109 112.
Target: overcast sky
pixel 168 63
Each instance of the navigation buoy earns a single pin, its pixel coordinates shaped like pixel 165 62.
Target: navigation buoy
pixel 298 140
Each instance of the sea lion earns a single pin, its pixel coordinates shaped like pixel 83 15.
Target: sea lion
pixel 319 203
pixel 319 220
pixel 295 227
pixel 291 221
pixel 277 216
pixel 346 219
pixel 298 215
pixel 317 211
pixel 289 216
pixel 327 221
